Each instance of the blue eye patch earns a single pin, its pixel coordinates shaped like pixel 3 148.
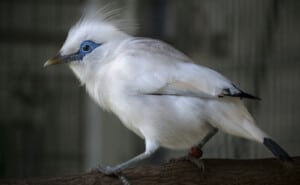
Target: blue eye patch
pixel 87 47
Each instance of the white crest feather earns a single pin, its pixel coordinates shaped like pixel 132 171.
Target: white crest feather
pixel 100 24
pixel 110 14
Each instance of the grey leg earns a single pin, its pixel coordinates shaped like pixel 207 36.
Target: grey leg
pixel 116 169
pixel 207 137
pixel 151 147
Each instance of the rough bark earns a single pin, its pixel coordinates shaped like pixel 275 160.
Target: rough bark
pixel 217 171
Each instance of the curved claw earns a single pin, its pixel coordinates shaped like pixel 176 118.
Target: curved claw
pixel 198 162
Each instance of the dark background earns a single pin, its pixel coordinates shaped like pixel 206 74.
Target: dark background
pixel 49 126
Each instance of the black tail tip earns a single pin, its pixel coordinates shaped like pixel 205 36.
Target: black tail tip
pixel 277 150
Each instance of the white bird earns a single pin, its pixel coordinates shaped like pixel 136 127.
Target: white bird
pixel 157 92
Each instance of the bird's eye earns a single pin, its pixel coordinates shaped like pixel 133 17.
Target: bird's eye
pixel 87 47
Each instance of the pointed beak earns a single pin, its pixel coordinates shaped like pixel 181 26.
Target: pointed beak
pixel 58 59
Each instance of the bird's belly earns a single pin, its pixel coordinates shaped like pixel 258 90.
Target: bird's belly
pixel 173 122
pixel 179 137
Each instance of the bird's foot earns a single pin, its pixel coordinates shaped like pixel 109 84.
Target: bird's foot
pixel 108 170
pixel 194 157
pixel 196 161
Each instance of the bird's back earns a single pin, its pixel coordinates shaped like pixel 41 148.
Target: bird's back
pixel 156 87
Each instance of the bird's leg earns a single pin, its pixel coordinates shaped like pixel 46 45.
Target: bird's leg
pixel 108 170
pixel 196 153
pixel 151 147
pixel 207 137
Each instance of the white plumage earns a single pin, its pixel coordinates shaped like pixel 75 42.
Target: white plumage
pixel 156 91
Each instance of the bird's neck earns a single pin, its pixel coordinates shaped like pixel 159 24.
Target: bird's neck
pixel 80 73
pixel 94 84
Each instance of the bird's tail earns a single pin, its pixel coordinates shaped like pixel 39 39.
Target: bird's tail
pixel 276 149
pixel 234 119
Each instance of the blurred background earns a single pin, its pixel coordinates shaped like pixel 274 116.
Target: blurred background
pixel 49 126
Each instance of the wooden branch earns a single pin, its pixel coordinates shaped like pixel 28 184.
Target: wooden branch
pixel 217 171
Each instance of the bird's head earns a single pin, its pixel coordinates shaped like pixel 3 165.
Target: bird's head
pixel 87 43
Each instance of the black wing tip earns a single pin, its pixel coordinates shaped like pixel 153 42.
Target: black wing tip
pixel 242 94
pixel 277 150
pixel 249 96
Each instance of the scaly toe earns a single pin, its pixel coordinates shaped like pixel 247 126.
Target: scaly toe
pixel 196 161
pixel 124 180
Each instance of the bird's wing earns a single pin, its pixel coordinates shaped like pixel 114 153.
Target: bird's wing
pixel 162 70
pixel 191 84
